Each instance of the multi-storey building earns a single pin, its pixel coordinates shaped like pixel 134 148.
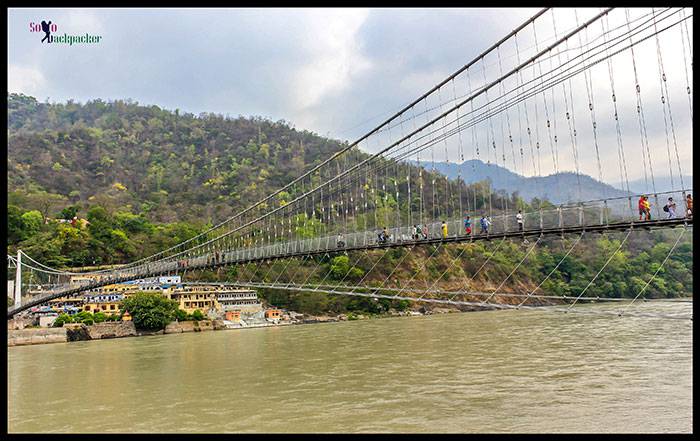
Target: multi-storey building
pixel 106 303
pixel 245 300
pixel 215 299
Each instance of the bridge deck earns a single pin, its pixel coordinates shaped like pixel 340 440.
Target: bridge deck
pixel 206 261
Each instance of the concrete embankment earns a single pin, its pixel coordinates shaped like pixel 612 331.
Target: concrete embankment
pixel 194 326
pixel 111 330
pixel 36 336
pixel 19 334
pixel 70 332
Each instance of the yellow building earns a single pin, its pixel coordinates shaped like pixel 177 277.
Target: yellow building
pixel 217 298
pixel 105 303
pixel 191 299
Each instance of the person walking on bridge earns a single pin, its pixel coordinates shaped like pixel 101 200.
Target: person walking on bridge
pixel 642 207
pixel 689 205
pixel 670 208
pixel 647 204
pixel 383 235
pixel 468 226
pixel 519 218
pixel 424 231
pixel 485 223
pixel 444 230
pixel 647 208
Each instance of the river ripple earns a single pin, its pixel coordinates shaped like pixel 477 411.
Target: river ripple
pixel 496 371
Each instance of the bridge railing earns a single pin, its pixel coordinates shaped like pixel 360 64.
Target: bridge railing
pixel 594 213
pixel 583 214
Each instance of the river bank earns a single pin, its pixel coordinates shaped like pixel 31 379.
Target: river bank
pixel 22 332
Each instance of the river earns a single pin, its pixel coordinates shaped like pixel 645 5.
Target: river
pixel 494 371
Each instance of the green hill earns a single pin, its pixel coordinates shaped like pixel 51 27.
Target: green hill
pixel 147 178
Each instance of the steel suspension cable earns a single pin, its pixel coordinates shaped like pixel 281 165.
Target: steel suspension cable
pixel 488 259
pixel 668 103
pixel 529 295
pixel 514 270
pixel 680 236
pixel 601 269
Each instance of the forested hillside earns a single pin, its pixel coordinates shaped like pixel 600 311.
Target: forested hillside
pixel 145 178
pixel 168 165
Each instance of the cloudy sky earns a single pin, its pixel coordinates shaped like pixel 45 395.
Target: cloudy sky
pixel 337 72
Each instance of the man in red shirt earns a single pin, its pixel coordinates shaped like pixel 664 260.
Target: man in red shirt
pixel 642 208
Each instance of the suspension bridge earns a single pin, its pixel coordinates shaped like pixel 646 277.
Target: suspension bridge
pixel 561 91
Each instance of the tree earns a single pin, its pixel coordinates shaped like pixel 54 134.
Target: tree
pixel 100 317
pixel 45 202
pixel 61 319
pixel 69 212
pixel 340 268
pixel 14 224
pixel 197 315
pixel 180 315
pixel 31 223
pixel 149 311
pixel 84 317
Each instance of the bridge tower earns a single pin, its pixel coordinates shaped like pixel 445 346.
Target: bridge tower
pixel 18 280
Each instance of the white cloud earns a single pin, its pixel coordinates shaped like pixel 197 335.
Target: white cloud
pixel 81 21
pixel 334 56
pixel 27 80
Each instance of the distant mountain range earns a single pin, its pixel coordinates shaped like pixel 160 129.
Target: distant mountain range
pixel 662 184
pixel 557 188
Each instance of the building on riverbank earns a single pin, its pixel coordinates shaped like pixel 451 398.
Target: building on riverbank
pixel 68 305
pixel 215 300
pixel 243 300
pixel 192 300
pixel 212 299
pixel 106 303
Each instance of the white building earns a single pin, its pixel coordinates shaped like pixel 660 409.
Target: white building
pixel 244 300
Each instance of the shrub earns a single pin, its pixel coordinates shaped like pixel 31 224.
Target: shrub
pixel 31 223
pixel 82 316
pixel 113 318
pixel 150 311
pixel 402 305
pixel 61 319
pixel 88 321
pixel 180 315
pixel 197 315
pixel 99 317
